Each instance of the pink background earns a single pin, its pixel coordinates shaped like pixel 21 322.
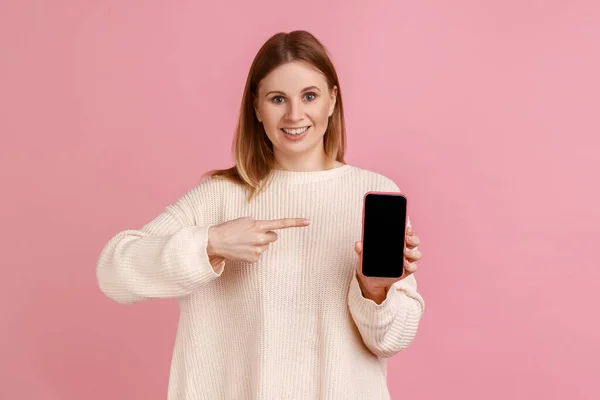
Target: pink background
pixel 484 112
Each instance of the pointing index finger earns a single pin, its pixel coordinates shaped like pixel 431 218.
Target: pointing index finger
pixel 283 223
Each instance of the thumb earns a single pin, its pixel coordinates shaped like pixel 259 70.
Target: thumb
pixel 358 248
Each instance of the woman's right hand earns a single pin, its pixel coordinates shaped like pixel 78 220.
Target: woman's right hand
pixel 245 239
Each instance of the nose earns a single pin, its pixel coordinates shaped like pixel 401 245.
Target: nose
pixel 295 111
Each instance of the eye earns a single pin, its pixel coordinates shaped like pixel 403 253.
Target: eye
pixel 310 96
pixel 276 99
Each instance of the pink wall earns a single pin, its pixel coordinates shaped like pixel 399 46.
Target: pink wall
pixel 484 112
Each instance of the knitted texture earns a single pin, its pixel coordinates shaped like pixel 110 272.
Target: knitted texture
pixel 293 325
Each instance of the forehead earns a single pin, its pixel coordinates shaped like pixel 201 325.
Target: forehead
pixel 293 77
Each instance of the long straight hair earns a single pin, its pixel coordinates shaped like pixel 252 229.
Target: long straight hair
pixel 252 149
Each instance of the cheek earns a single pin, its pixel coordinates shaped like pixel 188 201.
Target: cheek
pixel 325 109
pixel 323 112
pixel 271 117
pixel 271 122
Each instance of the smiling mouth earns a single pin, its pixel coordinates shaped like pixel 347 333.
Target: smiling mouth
pixel 295 131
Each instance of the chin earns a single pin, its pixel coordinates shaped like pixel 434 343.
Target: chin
pixel 300 149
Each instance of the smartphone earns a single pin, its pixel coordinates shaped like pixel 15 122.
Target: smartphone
pixel 383 234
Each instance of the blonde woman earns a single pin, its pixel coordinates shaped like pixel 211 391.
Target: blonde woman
pixel 263 257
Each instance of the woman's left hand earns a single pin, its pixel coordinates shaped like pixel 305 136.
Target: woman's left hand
pixel 376 288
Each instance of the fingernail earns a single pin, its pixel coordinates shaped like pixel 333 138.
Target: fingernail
pixel 306 222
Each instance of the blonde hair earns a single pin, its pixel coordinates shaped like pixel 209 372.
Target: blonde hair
pixel 252 150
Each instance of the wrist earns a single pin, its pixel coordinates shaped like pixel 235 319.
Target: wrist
pixel 376 294
pixel 212 242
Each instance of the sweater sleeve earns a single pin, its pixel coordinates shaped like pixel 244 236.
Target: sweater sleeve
pixel 166 258
pixel 389 327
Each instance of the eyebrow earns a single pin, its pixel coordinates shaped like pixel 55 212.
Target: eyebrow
pixel 303 90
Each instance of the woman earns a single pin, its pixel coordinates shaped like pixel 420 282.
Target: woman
pixel 262 257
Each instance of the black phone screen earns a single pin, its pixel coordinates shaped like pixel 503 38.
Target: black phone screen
pixel 384 229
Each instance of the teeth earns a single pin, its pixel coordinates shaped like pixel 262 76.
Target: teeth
pixel 295 131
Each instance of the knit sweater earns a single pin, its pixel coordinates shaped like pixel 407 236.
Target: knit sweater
pixel 294 324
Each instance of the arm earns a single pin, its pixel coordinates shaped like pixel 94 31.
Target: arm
pixel 166 258
pixel 389 327
pixel 387 322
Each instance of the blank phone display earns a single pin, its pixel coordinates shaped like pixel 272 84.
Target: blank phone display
pixel 384 225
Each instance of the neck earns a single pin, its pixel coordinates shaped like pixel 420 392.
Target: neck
pixel 303 164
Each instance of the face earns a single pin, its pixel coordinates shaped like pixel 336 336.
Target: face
pixel 294 104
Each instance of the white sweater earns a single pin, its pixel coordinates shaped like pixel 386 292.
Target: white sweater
pixel 294 325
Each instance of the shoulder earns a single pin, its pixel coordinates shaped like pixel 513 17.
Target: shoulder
pixel 215 185
pixel 212 190
pixel 204 202
pixel 373 180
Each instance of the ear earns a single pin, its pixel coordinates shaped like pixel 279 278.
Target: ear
pixel 255 105
pixel 333 98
